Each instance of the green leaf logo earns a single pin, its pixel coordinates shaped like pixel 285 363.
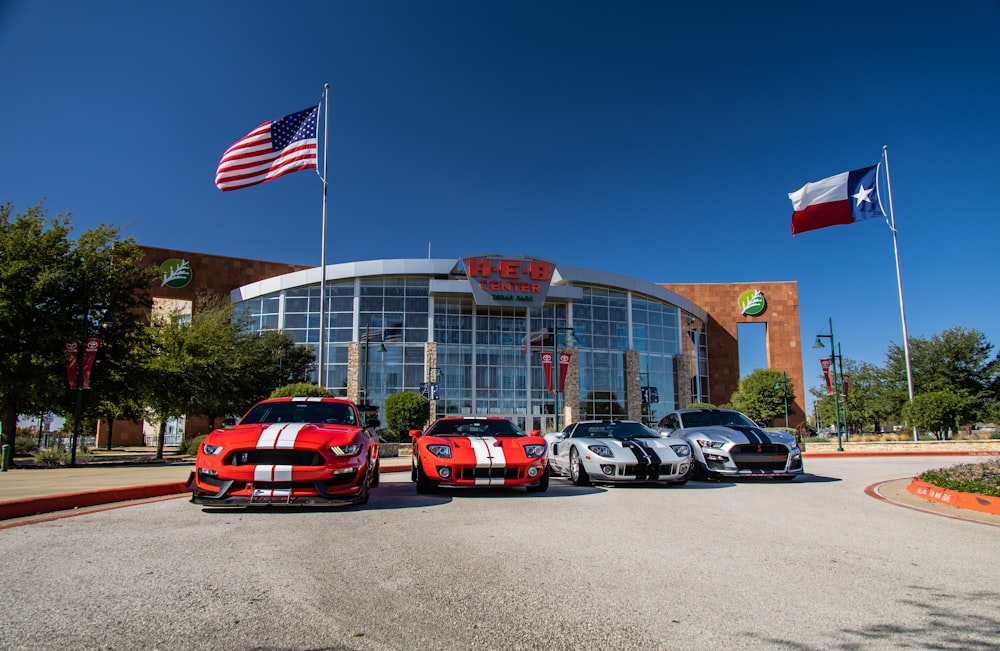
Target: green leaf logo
pixel 752 302
pixel 175 273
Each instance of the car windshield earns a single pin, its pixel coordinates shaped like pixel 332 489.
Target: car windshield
pixel 301 412
pixel 474 428
pixel 706 418
pixel 614 430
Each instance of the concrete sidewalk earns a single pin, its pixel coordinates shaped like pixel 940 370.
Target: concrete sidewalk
pixel 32 491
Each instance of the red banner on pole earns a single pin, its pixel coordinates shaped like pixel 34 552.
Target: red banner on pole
pixel 826 375
pixel 563 367
pixel 71 354
pixel 846 378
pixel 547 368
pixel 89 353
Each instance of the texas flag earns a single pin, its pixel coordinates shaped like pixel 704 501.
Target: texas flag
pixel 841 199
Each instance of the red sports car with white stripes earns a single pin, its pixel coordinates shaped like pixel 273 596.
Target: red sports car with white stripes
pixel 466 451
pixel 290 451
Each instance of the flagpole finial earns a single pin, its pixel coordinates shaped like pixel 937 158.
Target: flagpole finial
pixel 326 86
pixel 885 147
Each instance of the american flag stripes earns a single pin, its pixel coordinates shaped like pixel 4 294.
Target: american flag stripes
pixel 271 150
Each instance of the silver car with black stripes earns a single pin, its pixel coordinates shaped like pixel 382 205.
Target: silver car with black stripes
pixel 616 451
pixel 725 443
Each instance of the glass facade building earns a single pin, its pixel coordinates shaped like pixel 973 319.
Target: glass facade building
pixel 636 350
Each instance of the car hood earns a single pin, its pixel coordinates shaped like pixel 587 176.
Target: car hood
pixel 734 434
pixel 284 435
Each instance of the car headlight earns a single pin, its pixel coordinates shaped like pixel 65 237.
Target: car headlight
pixel 681 450
pixel 601 449
pixel 438 450
pixel 705 443
pixel 346 450
pixel 211 450
pixel 534 450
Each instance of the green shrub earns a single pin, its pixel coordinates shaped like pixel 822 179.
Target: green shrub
pixel 51 457
pixel 981 478
pixel 24 446
pixel 190 446
pixel 301 390
pixel 405 411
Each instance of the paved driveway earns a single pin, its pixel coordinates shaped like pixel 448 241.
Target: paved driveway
pixel 812 564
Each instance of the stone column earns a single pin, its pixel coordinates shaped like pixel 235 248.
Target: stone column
pixel 633 385
pixel 354 372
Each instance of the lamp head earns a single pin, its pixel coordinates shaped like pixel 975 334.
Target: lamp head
pixel 381 348
pixel 571 338
pixel 818 343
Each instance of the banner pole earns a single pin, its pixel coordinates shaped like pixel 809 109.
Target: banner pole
pixel 899 284
pixel 321 357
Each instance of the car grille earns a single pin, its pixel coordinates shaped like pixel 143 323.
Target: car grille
pixel 648 471
pixel 764 456
pixel 489 473
pixel 275 458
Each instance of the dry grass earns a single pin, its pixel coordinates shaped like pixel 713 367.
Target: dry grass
pixel 982 478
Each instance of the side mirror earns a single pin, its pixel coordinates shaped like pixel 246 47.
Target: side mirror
pixel 535 432
pixel 761 424
pixel 414 433
pixel 373 423
pixel 228 423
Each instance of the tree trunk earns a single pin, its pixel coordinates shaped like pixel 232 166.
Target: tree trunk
pixel 111 429
pixel 159 439
pixel 9 424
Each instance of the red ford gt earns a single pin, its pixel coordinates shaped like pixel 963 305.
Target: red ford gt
pixel 460 451
pixel 289 451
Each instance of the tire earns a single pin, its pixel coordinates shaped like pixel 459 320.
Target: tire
pixel 424 484
pixel 696 471
pixel 577 473
pixel 376 477
pixel 366 491
pixel 543 483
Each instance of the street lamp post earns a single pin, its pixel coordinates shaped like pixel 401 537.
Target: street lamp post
pixel 570 339
pixel 381 349
pixel 783 385
pixel 836 393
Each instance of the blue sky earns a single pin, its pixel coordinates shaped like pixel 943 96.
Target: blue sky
pixel 653 139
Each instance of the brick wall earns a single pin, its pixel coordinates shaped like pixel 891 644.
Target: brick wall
pixel 784 345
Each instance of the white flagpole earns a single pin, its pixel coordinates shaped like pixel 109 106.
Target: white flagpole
pixel 899 282
pixel 321 357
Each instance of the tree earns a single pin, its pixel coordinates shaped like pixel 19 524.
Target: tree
pixel 760 395
pixel 938 412
pixel 300 390
pixel 54 290
pixel 234 367
pixel 406 411
pixel 959 360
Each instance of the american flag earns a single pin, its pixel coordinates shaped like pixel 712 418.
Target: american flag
pixel 271 150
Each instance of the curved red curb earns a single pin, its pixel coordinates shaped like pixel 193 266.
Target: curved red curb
pixel 971 501
pixel 67 501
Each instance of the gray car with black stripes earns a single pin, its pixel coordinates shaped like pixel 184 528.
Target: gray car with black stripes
pixel 725 443
pixel 616 451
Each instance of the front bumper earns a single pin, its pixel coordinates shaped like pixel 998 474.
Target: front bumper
pixel 525 474
pixel 753 461
pixel 312 486
pixel 610 471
